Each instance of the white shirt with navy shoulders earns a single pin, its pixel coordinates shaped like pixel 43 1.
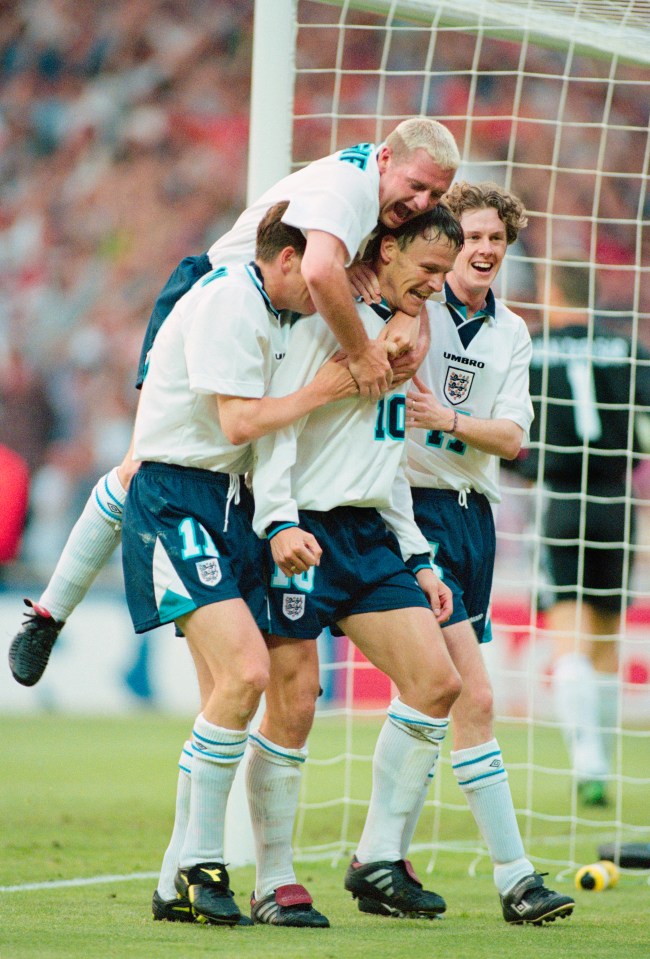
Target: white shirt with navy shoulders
pixel 222 337
pixel 479 367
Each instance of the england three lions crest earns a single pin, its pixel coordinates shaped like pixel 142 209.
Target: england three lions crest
pixel 458 383
pixel 209 571
pixel 293 605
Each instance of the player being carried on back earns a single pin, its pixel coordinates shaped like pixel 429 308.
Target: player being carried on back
pixel 337 202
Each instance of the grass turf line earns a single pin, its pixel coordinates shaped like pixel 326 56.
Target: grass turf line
pixel 90 797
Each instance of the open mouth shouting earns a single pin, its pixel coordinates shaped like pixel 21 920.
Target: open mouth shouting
pixel 401 213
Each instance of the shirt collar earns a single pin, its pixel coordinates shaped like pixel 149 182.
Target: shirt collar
pixel 255 274
pixel 382 309
pixel 488 311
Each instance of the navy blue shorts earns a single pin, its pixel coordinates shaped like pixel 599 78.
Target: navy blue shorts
pixel 176 554
pixel 185 275
pixel 361 571
pixel 463 546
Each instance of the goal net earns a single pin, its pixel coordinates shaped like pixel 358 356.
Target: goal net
pixel 550 99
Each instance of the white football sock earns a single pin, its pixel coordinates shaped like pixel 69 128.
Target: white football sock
pixel 482 776
pixel 575 691
pixel 273 778
pixel 413 817
pixel 406 751
pixel 166 888
pixel 91 543
pixel 609 687
pixel 216 753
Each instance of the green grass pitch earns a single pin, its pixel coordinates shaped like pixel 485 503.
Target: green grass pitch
pixel 87 797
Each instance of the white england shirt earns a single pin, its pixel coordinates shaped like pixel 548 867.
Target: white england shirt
pixel 488 378
pixel 348 453
pixel 223 337
pixel 338 194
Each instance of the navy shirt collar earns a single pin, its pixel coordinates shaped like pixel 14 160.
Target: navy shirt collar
pixel 382 309
pixel 488 310
pixel 256 276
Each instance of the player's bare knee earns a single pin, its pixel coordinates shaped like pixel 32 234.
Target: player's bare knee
pixel 449 689
pixel 434 695
pixel 483 703
pixel 252 681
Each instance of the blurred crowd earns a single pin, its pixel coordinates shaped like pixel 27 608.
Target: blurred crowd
pixel 123 147
pixel 123 134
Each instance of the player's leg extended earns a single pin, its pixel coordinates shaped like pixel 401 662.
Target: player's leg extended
pixel 594 670
pixel 408 646
pixel 91 543
pixel 479 769
pixel 167 904
pixel 603 652
pixel 273 777
pixel 477 761
pixel 224 640
pixel 575 689
pixel 607 571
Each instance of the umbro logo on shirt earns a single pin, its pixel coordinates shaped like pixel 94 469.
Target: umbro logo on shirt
pixel 479 364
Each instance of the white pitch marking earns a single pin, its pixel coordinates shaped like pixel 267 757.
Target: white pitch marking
pixel 90 881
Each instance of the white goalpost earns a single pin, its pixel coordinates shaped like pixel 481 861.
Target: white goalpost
pixel 551 99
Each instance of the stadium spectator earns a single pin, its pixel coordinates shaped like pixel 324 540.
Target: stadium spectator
pixel 471 407
pixel 331 496
pixel 588 384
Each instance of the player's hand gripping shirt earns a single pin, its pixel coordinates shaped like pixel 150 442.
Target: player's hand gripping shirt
pixel 479 372
pixel 338 194
pixel 348 453
pixel 221 337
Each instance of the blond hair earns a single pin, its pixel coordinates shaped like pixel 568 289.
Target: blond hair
pixel 423 133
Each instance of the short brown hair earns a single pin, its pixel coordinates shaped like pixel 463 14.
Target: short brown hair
pixel 462 196
pixel 273 235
